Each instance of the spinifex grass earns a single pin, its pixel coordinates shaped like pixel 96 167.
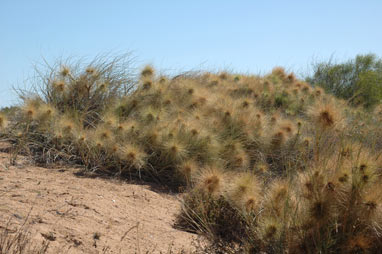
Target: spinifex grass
pixel 269 163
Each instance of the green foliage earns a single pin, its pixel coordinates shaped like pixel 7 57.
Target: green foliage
pixel 370 88
pixel 9 110
pixel 357 80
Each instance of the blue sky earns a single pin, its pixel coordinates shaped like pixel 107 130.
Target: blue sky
pixel 244 36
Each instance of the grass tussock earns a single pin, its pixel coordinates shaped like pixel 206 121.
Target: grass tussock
pixel 269 164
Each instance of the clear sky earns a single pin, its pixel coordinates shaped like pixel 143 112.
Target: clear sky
pixel 244 36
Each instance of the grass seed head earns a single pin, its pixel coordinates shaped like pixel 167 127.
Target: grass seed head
pixel 291 78
pixel 147 84
pixel 245 104
pixel 188 169
pixel 132 154
pixel 58 134
pixel 152 137
pixel 318 91
pixel 287 126
pixel 278 139
pixel 103 132
pixel 30 109
pixel 110 119
pixel 240 160
pixel 269 229
pixel 359 244
pixel 244 191
pixel 162 80
pixel 46 112
pixel 210 180
pixel 81 136
pixel 261 167
pixel 67 125
pixel 103 86
pixel 174 150
pixel 65 71
pixel 223 75
pixel 98 143
pixel 306 89
pixel 326 115
pixel 91 71
pixel 320 210
pixel 279 72
pixel 343 177
pixel 148 71
pixel 251 203
pixel 59 86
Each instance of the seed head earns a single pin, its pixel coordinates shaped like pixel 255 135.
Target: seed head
pixel 320 209
pixel 343 178
pixel 278 138
pixel 359 244
pixel 245 104
pixel 250 204
pixel 280 72
pixel 287 126
pixel 261 167
pixel 46 111
pixel 148 71
pixel 291 78
pixel 270 231
pixel 318 91
pixel 110 120
pixel 306 88
pixel 326 115
pixel 30 109
pixel 81 137
pixel 244 191
pixel 65 71
pixel 162 80
pixel 58 134
pixel 59 86
pixel 212 183
pixel 132 154
pixel 214 82
pixel 147 84
pixel 223 75
pixel 174 150
pixel 91 70
pixel 268 228
pixel 210 180
pixel 104 133
pixel 188 169
pixel 67 126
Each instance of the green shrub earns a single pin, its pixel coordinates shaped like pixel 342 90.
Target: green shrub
pixel 357 80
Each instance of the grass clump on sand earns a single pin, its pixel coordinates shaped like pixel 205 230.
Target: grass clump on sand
pixel 267 163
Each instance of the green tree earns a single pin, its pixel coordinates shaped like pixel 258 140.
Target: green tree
pixel 357 80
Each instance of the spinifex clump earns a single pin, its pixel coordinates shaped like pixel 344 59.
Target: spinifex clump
pixel 268 163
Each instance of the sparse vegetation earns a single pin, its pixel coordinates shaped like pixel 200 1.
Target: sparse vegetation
pixel 269 164
pixel 18 241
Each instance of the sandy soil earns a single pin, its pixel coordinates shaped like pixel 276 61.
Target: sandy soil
pixel 79 214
